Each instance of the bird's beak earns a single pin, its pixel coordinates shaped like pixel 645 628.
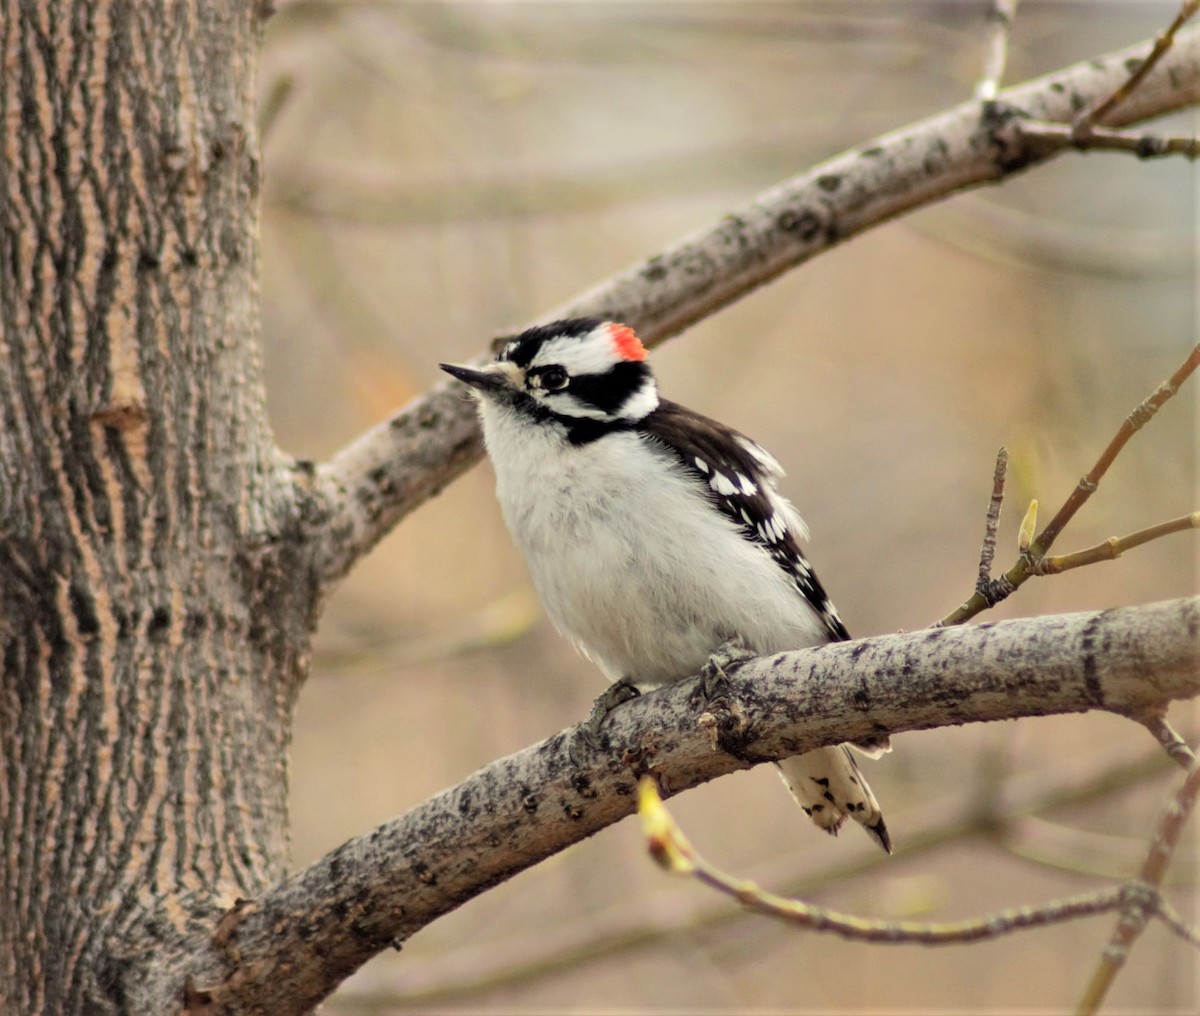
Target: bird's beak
pixel 487 380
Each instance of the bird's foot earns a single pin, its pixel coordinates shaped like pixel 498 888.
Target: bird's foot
pixel 588 735
pixel 714 675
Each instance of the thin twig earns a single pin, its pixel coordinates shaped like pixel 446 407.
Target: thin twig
pixel 987 552
pixel 1142 899
pixel 987 589
pixel 1144 146
pixel 1134 422
pixel 672 850
pixel 1173 920
pixel 1084 131
pixel 1175 746
pixel 1029 560
pixel 1098 112
pixel 1114 546
pixel 995 57
pixel 278 94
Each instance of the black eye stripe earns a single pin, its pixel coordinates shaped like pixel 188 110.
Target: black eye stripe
pixel 609 391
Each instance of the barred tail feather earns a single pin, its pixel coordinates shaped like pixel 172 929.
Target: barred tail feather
pixel 827 784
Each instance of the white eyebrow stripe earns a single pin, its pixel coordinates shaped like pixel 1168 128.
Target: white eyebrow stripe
pixel 580 354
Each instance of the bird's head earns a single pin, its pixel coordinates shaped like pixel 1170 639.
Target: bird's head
pixel 580 369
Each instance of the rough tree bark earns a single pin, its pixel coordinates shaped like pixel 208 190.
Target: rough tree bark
pixel 161 562
pixel 154 632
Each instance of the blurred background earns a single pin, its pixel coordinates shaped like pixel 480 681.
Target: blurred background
pixel 439 173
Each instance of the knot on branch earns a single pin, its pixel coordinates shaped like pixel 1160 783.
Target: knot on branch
pixel 1142 414
pixel 1139 898
pixel 1000 124
pixel 993 591
pixel 727 721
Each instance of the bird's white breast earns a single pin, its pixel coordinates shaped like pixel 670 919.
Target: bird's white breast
pixel 630 559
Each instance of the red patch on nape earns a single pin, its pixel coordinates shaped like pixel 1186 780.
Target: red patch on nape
pixel 626 343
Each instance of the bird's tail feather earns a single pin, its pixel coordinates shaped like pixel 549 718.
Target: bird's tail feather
pixel 828 785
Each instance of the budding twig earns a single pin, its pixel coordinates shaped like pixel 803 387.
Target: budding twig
pixel 1030 561
pixel 673 851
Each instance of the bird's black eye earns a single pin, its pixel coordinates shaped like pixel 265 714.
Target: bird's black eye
pixel 553 378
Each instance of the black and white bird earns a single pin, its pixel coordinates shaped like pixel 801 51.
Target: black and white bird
pixel 654 535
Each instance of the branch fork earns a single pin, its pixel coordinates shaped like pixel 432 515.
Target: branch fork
pixel 1085 132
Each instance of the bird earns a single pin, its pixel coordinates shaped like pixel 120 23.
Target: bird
pixel 656 537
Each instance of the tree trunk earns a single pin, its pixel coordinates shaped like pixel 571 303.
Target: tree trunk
pixel 153 634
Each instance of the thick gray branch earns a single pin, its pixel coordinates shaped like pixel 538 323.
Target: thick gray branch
pixel 287 950
pixel 390 470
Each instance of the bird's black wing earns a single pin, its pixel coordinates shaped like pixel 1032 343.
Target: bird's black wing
pixel 740 478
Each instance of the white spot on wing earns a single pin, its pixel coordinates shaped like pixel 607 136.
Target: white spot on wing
pixel 721 484
pixel 701 464
pixel 763 457
pixel 746 485
pixel 788 517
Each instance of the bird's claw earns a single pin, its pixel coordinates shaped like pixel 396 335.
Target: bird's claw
pixel 714 675
pixel 589 735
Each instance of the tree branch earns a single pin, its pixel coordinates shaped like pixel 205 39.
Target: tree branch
pixel 1138 899
pixel 383 475
pixel 289 949
pixel 638 923
pixel 1084 133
